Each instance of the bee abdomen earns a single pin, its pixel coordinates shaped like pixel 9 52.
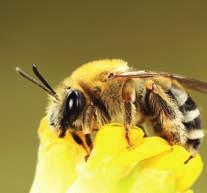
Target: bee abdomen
pixel 191 117
pixel 191 114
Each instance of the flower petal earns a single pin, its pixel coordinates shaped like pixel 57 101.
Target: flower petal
pixel 57 161
pixel 151 165
pixel 174 162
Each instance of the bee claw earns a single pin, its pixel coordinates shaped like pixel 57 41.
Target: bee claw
pixel 128 142
pixel 86 157
pixel 191 157
pixel 62 133
pixel 127 136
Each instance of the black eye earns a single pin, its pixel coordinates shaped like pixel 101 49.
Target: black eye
pixel 75 103
pixel 73 106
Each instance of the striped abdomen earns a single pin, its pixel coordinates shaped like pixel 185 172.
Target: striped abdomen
pixel 191 117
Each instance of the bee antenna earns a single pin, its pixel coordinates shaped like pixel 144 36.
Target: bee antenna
pixel 45 85
pixel 37 73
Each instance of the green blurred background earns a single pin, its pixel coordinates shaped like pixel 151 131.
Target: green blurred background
pixel 61 35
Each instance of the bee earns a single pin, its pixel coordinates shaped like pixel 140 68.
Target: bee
pixel 107 91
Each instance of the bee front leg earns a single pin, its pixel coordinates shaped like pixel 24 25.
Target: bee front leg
pixel 90 126
pixel 80 139
pixel 128 96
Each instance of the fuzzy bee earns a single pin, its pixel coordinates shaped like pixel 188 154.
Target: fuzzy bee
pixel 106 91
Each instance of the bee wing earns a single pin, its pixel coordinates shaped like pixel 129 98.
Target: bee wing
pixel 187 82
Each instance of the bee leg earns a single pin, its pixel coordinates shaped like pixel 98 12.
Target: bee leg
pixel 164 111
pixel 127 111
pixel 89 127
pixel 190 157
pixel 62 133
pixel 79 139
pixel 89 143
pixel 128 96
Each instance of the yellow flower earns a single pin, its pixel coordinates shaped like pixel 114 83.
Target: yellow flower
pixel 150 166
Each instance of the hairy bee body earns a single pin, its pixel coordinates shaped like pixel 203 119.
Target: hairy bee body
pixel 90 98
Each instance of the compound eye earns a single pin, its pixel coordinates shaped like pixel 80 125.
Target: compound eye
pixel 75 103
pixel 73 107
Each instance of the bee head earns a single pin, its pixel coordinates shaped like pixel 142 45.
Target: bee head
pixel 63 112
